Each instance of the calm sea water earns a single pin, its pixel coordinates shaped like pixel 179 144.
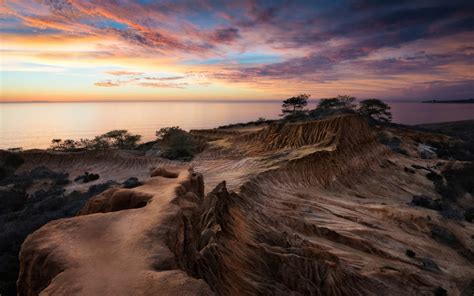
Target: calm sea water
pixel 33 125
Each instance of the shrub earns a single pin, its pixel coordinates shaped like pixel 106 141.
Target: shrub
pixel 339 102
pixel 116 139
pixel 131 182
pixel 297 116
pixel 461 178
pixel 121 139
pixel 87 177
pixel 333 106
pixel 458 181
pixel 178 144
pixel 165 133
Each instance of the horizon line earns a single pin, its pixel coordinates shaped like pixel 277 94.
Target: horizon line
pixel 420 100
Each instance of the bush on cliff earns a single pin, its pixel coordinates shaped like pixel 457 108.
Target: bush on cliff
pixel 116 139
pixel 179 144
pixel 342 104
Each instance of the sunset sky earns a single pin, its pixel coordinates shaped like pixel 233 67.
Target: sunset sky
pixel 168 50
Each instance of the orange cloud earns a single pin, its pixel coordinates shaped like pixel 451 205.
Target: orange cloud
pixel 107 84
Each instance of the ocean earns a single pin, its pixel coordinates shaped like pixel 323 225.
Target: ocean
pixel 34 125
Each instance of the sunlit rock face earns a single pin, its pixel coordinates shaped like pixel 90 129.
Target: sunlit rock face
pixel 116 247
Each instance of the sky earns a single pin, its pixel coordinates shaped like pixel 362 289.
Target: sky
pixel 76 50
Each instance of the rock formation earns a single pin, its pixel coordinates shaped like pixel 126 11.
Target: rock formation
pixel 127 252
pixel 317 208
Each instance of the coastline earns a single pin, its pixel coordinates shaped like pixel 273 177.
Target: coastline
pixel 467 101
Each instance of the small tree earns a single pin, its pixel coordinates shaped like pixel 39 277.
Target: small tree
pixel 56 144
pixel 294 104
pixel 66 145
pixel 339 102
pixel 70 144
pixel 375 109
pixel 328 104
pixel 121 139
pixel 347 102
pixel 98 143
pixel 332 106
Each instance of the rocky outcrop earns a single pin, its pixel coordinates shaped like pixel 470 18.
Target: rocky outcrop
pixel 347 130
pixel 117 253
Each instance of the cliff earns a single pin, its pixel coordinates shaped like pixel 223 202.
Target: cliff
pixel 319 208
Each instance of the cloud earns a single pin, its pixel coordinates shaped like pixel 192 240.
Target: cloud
pixel 226 35
pixel 124 73
pixel 107 84
pixel 322 43
pixel 163 84
pixel 144 81
pixel 418 63
pixel 164 78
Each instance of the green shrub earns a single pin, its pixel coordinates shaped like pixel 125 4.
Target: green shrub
pixel 178 144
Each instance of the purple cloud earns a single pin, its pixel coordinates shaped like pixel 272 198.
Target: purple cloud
pixel 225 35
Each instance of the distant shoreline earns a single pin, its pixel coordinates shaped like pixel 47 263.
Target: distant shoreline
pixel 468 101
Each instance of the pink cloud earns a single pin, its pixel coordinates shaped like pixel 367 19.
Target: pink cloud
pixel 163 84
pixel 124 73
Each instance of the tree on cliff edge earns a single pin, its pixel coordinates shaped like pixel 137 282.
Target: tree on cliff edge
pixel 294 105
pixel 375 109
pixel 342 104
pixel 339 103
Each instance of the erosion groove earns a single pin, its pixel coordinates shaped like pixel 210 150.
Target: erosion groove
pixel 316 208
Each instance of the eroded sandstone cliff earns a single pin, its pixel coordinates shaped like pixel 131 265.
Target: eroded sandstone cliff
pixel 318 208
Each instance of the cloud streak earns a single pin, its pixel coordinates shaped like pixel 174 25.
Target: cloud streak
pixel 165 78
pixel 124 73
pixel 163 84
pixel 106 84
pixel 135 78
